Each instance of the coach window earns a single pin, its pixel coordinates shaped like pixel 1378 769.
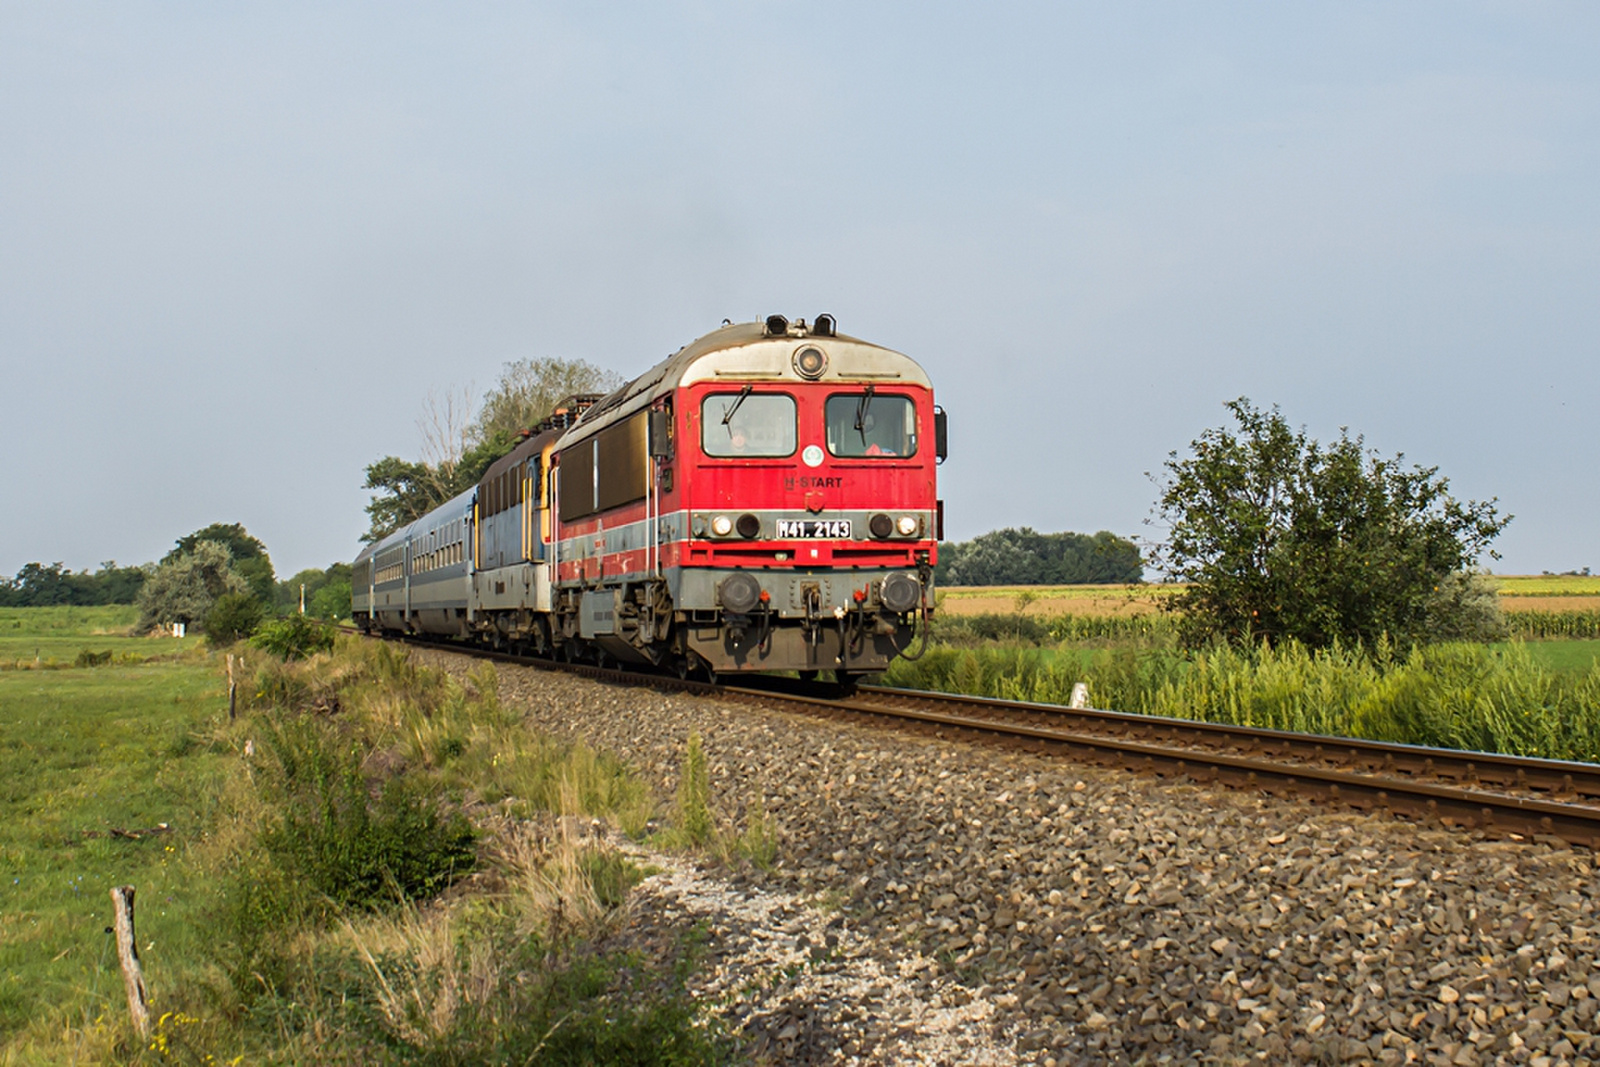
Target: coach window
pixel 748 424
pixel 871 424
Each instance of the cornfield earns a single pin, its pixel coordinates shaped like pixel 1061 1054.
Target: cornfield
pixel 1534 625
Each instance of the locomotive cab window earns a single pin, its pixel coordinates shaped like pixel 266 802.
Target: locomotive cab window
pixel 748 424
pixel 871 424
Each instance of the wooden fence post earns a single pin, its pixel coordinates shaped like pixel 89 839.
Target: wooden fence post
pixel 232 705
pixel 128 952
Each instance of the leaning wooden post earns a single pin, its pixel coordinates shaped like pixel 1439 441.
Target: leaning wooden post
pixel 232 706
pixel 128 952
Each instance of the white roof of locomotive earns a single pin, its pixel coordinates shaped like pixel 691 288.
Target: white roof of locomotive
pixel 746 352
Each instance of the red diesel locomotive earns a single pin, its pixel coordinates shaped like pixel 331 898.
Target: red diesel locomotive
pixel 764 499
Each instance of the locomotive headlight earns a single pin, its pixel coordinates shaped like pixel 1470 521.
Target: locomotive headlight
pixel 722 526
pixel 749 526
pixel 907 525
pixel 810 362
pixel 881 526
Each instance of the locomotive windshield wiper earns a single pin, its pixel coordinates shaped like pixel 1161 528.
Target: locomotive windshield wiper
pixel 861 412
pixel 742 394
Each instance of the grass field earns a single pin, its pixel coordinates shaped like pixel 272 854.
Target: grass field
pixel 1549 585
pixel 83 752
pixel 1565 657
pixel 53 637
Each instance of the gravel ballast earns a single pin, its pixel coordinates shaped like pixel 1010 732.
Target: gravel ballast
pixel 994 906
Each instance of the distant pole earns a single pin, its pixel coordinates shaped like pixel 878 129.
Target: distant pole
pixel 128 952
pixel 302 598
pixel 232 704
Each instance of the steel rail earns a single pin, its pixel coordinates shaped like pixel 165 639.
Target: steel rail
pixel 1386 777
pixel 1449 805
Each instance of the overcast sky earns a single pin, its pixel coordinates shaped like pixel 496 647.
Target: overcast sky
pixel 240 244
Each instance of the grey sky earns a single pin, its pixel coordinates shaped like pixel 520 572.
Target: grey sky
pixel 239 247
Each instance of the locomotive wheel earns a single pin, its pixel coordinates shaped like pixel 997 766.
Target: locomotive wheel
pixel 808 676
pixel 846 682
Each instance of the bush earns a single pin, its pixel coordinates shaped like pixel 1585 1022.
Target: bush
pixel 1282 538
pixel 185 588
pixel 293 637
pixel 355 848
pixel 233 617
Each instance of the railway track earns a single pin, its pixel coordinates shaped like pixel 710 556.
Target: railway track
pixel 1492 793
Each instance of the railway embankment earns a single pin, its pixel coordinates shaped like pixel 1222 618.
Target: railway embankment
pixel 955 902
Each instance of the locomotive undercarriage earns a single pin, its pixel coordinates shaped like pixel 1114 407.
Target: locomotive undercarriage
pixel 734 620
pixel 722 621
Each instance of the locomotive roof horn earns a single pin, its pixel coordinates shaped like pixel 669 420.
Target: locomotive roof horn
pixel 823 327
pixel 777 326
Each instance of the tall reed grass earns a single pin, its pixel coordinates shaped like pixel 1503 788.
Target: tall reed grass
pixel 1454 695
pixel 969 630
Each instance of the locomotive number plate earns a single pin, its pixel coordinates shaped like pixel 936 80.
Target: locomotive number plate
pixel 803 529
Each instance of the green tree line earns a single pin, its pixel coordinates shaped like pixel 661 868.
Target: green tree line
pixel 40 585
pixel 1027 557
pixel 221 566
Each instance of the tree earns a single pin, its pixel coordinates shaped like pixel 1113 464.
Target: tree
pixel 185 589
pixel 249 555
pixel 454 458
pixel 529 390
pixel 332 600
pixel 1280 537
pixel 314 581
pixel 405 492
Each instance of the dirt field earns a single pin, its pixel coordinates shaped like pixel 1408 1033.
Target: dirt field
pixel 1522 602
pixel 1053 600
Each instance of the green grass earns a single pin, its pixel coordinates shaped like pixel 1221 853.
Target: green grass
pixel 1563 657
pixel 261 937
pixel 82 752
pixel 53 637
